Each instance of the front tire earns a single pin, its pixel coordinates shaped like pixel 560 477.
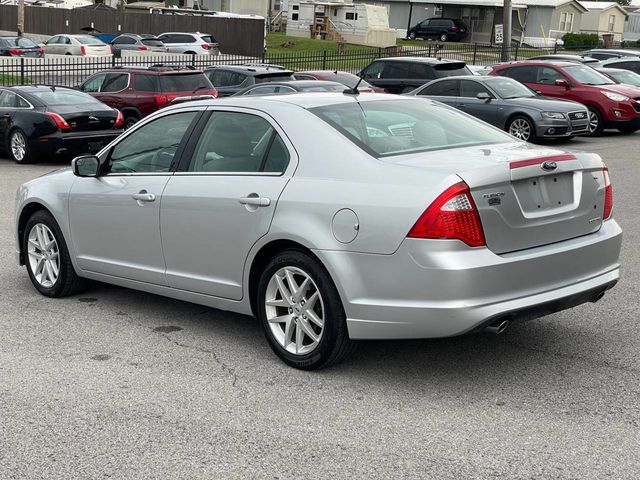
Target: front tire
pixel 596 125
pixel 522 128
pixel 444 37
pixel 47 257
pixel 19 147
pixel 301 313
pixel 412 35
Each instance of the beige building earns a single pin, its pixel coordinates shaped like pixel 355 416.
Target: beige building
pixel 604 17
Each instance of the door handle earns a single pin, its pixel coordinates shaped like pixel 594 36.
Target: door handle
pixel 144 196
pixel 538 91
pixel 255 200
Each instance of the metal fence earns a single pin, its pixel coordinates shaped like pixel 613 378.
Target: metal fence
pixel 72 71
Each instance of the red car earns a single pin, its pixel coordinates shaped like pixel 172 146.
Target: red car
pixel 139 91
pixel 610 105
pixel 345 78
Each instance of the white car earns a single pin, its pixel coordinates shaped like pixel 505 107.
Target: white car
pixel 84 45
pixel 195 43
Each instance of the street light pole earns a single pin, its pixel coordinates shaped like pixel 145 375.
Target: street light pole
pixel 20 17
pixel 506 31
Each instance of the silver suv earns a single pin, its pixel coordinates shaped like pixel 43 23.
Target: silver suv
pixel 191 43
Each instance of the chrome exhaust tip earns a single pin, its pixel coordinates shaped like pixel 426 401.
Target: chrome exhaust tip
pixel 598 297
pixel 497 327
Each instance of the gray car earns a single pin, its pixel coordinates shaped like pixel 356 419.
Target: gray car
pixel 330 217
pixel 132 42
pixel 510 106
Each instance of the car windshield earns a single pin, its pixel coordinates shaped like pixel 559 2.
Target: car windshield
pixel 64 97
pixel 396 127
pixel 626 76
pixel 270 77
pixel 184 82
pixel 587 75
pixel 453 69
pixel 89 40
pixel 509 88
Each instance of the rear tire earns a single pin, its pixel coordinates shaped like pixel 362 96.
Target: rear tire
pixel 596 125
pixel 19 148
pixel 130 120
pixel 444 37
pixel 311 329
pixel 47 258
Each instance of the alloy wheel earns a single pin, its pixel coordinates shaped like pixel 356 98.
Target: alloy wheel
pixel 294 310
pixel 44 255
pixel 521 129
pixel 18 146
pixel 594 121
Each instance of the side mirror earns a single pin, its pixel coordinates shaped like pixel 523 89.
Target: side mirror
pixel 483 96
pixel 86 166
pixel 561 82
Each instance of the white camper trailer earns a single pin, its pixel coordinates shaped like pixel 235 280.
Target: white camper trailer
pixel 343 21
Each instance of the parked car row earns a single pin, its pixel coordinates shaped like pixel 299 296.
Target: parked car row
pixel 191 43
pixel 536 99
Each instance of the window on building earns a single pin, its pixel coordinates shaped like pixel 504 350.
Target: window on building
pixel 295 7
pixel 351 16
pixel 294 17
pixel 566 22
pixel 612 23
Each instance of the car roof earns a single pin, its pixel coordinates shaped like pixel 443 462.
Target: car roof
pixel 302 83
pixel 614 50
pixel 328 72
pixel 153 69
pixel 304 100
pixel 621 59
pixel 529 63
pixel 427 60
pixel 251 69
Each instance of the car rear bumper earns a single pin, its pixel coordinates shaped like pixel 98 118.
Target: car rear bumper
pixel 441 288
pixel 75 143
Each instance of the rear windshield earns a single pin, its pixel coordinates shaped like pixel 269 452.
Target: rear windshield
pixel 453 69
pixel 64 97
pixel 17 42
pixel 208 39
pixel 271 77
pixel 184 82
pixel 323 88
pixel 151 42
pixel 89 41
pixel 395 127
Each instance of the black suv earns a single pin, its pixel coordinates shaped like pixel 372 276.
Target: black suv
pixel 230 79
pixel 441 28
pixel 403 74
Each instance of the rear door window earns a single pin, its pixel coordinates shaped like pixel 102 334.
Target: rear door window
pixel 374 70
pixel 634 66
pixel 521 74
pixel 446 88
pixel 115 82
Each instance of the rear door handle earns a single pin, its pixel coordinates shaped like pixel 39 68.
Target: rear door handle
pixel 255 200
pixel 144 196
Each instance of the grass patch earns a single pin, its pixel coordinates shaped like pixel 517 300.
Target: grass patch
pixel 9 80
pixel 280 42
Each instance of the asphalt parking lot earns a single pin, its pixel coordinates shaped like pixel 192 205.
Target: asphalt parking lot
pixel 115 383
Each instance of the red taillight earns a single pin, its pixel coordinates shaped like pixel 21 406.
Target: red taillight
pixel 452 215
pixel 205 46
pixel 163 100
pixel 608 194
pixel 454 29
pixel 41 51
pixel 60 122
pixel 119 120
pixel 83 50
pixel 142 47
pixel 16 52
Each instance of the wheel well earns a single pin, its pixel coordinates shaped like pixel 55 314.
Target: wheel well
pixel 131 112
pixel 266 253
pixel 26 213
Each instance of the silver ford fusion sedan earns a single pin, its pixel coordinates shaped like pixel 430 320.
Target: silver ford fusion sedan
pixel 330 217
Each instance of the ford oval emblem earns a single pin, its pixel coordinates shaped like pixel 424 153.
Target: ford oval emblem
pixel 549 166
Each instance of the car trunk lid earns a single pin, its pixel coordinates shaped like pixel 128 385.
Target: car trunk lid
pixel 83 118
pixel 527 197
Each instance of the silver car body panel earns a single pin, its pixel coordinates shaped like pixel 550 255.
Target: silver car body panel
pixel 390 286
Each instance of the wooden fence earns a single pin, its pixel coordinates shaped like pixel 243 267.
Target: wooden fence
pixel 237 36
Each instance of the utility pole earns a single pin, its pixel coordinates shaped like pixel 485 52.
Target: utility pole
pixel 409 20
pixel 506 31
pixel 20 17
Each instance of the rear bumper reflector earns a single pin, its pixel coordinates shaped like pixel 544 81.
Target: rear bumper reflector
pixel 539 160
